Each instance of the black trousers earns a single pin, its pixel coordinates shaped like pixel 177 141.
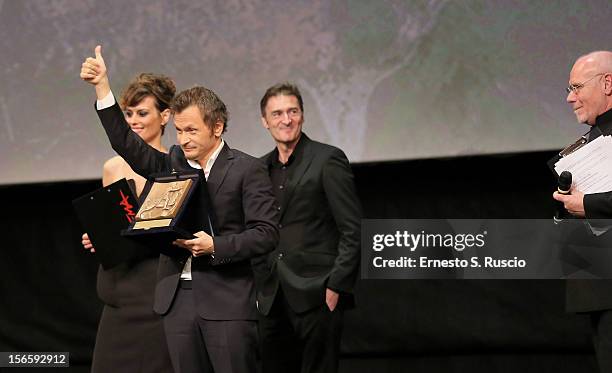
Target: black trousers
pixel 307 342
pixel 601 323
pixel 208 346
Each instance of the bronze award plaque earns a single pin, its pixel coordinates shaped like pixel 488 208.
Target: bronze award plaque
pixel 162 203
pixel 174 205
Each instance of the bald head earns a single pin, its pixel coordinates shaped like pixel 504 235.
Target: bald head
pixel 591 78
pixel 598 62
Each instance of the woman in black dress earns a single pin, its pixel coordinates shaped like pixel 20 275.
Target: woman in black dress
pixel 130 335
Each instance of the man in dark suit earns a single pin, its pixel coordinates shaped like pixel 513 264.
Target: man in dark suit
pixel 305 284
pixel 206 292
pixel 590 95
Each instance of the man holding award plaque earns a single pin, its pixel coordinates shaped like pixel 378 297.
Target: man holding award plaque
pixel 205 290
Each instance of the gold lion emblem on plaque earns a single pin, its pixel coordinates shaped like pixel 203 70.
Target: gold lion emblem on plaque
pixel 162 204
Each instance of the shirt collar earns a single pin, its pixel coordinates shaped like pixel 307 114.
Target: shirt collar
pixel 297 152
pixel 211 160
pixel 604 122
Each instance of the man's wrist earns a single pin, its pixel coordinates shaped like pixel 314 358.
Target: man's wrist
pixel 106 101
pixel 102 88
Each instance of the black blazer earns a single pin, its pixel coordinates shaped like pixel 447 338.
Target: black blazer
pixel 320 222
pixel 593 295
pixel 245 221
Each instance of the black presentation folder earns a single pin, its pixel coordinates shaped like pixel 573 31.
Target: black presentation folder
pixel 103 214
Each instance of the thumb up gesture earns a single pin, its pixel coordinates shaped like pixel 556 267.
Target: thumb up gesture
pixel 93 69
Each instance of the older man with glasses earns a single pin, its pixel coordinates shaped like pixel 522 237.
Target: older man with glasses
pixel 590 95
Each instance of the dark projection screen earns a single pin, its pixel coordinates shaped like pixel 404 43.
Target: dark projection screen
pixel 383 80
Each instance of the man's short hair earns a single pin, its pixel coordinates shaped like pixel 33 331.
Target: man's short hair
pixel 211 107
pixel 284 89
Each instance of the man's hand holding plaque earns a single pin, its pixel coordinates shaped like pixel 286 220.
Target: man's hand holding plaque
pixel 201 245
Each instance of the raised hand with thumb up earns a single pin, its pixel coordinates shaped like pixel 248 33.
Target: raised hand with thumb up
pixel 93 71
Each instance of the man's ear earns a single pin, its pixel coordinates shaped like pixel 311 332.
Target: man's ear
pixel 264 123
pixel 218 129
pixel 608 84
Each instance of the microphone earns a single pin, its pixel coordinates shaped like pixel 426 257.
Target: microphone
pixel 564 186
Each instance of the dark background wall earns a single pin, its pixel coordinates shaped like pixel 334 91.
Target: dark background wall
pixel 48 299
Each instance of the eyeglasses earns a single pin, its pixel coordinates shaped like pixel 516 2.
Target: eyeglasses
pixel 577 87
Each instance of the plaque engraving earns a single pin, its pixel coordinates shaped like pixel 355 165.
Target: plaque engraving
pixel 174 205
pixel 162 203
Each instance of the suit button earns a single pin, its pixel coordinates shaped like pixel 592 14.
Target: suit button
pixel 280 256
pixel 278 208
pixel 280 226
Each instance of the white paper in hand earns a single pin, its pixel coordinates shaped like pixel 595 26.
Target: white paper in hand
pixel 591 166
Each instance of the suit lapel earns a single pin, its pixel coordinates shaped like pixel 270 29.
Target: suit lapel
pixel 219 170
pixel 303 162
